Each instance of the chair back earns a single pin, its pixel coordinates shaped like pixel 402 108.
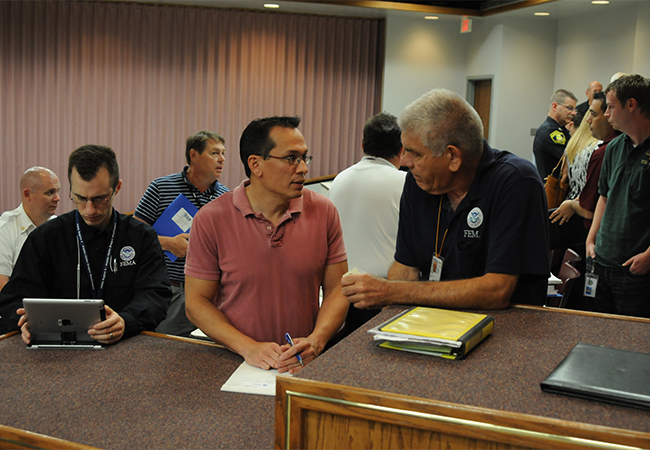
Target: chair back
pixel 571 257
pixel 567 274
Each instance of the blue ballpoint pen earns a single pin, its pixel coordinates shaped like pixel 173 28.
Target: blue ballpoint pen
pixel 290 341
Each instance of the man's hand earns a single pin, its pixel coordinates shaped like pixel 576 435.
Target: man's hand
pixel 563 213
pixel 22 324
pixel 264 355
pixel 110 330
pixel 638 264
pixel 306 347
pixel 176 244
pixel 366 291
pixel 590 249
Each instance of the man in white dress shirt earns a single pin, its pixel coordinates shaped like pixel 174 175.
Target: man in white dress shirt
pixel 367 196
pixel 39 190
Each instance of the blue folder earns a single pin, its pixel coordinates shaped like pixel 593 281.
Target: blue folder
pixel 176 219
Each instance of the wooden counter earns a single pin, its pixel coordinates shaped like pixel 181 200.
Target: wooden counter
pixel 358 395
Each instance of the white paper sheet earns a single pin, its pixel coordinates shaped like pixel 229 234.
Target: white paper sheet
pixel 251 380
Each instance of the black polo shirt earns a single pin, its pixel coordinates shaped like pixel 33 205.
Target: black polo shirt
pixel 137 286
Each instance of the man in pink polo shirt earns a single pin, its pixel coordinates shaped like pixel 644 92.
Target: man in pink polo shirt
pixel 259 254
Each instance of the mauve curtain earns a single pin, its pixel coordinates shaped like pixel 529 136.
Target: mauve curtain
pixel 141 78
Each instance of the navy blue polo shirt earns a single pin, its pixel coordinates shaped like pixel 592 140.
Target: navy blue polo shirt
pixel 500 226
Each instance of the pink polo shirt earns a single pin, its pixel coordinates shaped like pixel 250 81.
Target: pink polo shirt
pixel 269 277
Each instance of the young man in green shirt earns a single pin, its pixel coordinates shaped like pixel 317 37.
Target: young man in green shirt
pixel 619 238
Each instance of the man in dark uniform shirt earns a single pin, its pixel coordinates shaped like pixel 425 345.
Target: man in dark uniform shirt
pixel 92 252
pixel 552 136
pixel 459 197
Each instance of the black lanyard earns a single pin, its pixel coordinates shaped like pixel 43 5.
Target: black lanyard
pixel 96 293
pixel 200 203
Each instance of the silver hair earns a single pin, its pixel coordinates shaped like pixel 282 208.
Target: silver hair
pixel 442 117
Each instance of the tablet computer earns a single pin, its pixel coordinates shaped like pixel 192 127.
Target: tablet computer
pixel 63 323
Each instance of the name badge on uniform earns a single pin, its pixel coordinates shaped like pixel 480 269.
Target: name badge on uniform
pixel 436 268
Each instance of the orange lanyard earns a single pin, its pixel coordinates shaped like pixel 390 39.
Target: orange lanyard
pixel 437 253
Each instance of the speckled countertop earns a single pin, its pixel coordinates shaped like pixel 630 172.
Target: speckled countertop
pixel 152 393
pixel 143 393
pixel 504 372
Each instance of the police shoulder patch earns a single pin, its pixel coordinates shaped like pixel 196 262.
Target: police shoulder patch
pixel 558 137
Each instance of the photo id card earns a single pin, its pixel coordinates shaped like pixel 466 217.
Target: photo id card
pixel 436 268
pixel 591 282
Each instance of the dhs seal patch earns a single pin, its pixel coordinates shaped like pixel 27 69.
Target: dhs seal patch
pixel 475 218
pixel 127 254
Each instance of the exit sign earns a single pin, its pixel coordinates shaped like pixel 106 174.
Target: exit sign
pixel 466 25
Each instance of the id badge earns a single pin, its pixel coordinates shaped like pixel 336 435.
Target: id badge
pixel 436 268
pixel 591 282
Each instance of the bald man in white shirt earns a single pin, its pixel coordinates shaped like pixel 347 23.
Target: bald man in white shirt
pixel 39 190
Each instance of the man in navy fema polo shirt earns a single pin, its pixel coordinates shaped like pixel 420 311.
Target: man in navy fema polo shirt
pixel 473 228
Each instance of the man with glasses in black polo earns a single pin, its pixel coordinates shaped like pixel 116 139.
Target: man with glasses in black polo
pixel 258 255
pixel 552 136
pixel 92 252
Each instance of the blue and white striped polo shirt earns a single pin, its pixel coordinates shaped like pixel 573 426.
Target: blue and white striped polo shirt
pixel 159 195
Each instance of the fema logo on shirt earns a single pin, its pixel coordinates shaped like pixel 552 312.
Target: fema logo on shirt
pixel 127 254
pixel 474 220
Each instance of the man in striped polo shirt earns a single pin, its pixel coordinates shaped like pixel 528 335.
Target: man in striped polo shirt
pixel 205 153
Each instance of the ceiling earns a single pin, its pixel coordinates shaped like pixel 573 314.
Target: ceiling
pixel 455 7
pixel 445 9
pixel 476 5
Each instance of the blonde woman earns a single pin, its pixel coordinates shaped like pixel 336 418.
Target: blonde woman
pixel 578 152
pixel 562 233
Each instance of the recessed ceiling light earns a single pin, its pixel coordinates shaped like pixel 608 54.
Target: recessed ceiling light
pixel 542 14
pixel 431 17
pixel 271 5
pixel 600 2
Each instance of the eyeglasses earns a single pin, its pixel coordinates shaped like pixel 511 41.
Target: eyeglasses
pixel 569 108
pixel 293 159
pixel 101 200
